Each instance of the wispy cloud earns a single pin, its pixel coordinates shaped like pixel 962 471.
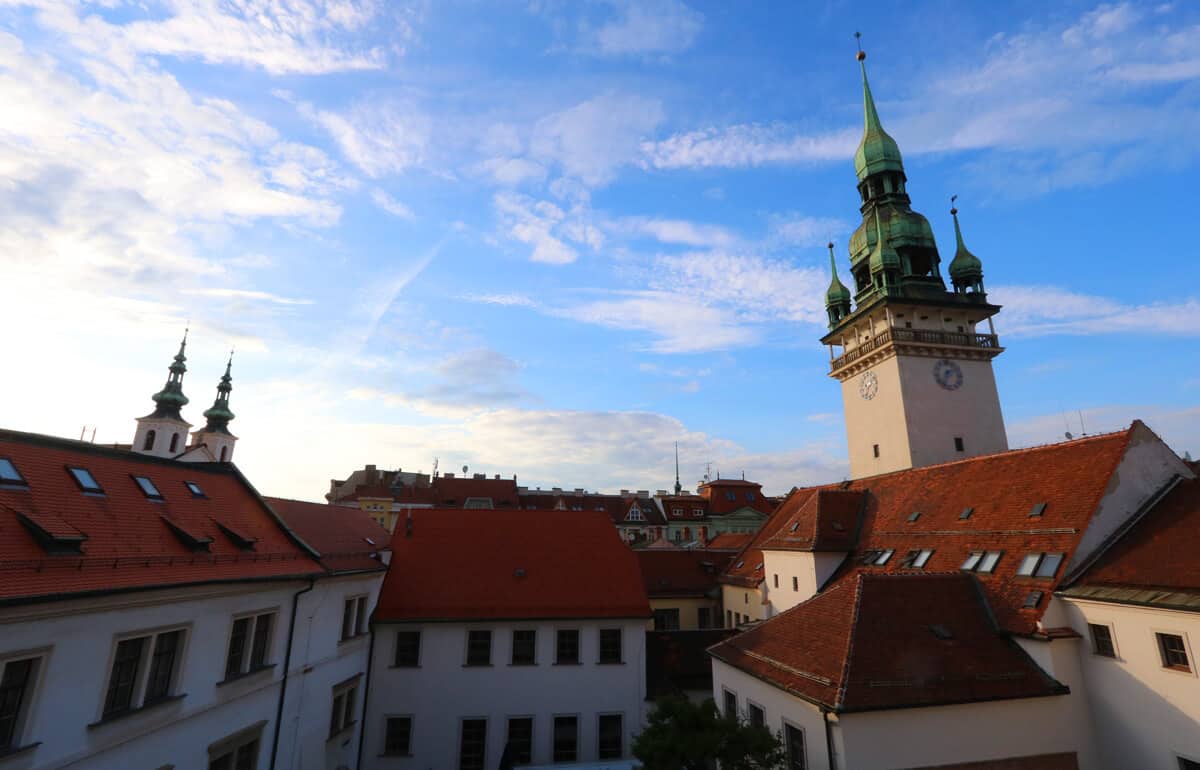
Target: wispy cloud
pixel 391 205
pixel 380 138
pixel 644 27
pixel 747 145
pixel 1044 310
pixel 248 294
pixel 674 231
pixel 592 139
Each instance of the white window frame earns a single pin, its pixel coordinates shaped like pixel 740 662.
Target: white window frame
pixel 350 688
pixel 137 700
pixel 725 693
pixel 578 737
pixel 487 735
pixel 231 744
pixel 412 732
pixel 248 652
pixel 358 627
pixel 22 729
pixel 786 723
pixel 758 706
pixel 532 734
pixel 1112 635
pixel 467 647
pixel 1187 648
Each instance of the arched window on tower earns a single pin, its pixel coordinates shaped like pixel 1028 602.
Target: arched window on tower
pixel 224 453
pixel 174 442
pixel 149 443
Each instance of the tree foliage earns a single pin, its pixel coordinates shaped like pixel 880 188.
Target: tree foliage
pixel 682 735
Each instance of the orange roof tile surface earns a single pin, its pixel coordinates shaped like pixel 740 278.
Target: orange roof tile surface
pixel 482 564
pixel 129 543
pixel 347 538
pixel 681 573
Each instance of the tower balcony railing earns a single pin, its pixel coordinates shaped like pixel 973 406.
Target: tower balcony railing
pixel 915 336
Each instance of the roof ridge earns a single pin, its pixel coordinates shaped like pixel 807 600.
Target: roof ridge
pixel 839 697
pixel 107 450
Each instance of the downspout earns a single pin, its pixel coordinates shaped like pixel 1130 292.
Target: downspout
pixel 362 733
pixel 287 665
pixel 828 738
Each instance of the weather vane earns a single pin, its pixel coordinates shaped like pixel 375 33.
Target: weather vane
pixel 953 208
pixel 858 41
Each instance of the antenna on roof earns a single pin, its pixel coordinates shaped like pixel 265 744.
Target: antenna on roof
pixel 1082 430
pixel 433 473
pixel 93 434
pixel 82 431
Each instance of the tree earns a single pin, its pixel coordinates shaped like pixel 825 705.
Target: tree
pixel 682 735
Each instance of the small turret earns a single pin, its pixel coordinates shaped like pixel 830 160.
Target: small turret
pixel 885 262
pixel 966 271
pixel 163 432
pixel 837 298
pixel 215 435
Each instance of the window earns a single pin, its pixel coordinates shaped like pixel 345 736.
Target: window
pixel 677 512
pixel 1033 599
pixel 237 753
pixel 9 475
pixel 795 583
pixel 704 617
pixel 224 453
pixel 1188 764
pixel 914 515
pixel 472 745
pixel 354 617
pixel 666 620
pixel 757 717
pixel 566 646
pixel 1102 641
pixel 749 497
pixel 958 444
pixel 981 561
pixel 875 449
pixel 341 716
pixel 610 645
pixel 566 739
pixel 966 514
pixel 520 740
pixel 635 514
pixel 524 647
pixel 127 691
pixel 148 488
pixel 148 444
pixel 882 557
pixel 174 443
pixel 479 647
pixel 729 617
pixel 408 649
pixel 1173 651
pixel 731 496
pixel 611 743
pixel 397 737
pixel 793 742
pixel 777 580
pixel 83 477
pixel 249 644
pixel 729 698
pixel 1037 510
pixel 16 687
pixel 194 488
pixel 917 559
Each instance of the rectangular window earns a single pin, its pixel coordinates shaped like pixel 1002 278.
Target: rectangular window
pixel 237 647
pixel 777 580
pixel 341 715
pixel 479 647
pixel 249 644
pixel 162 665
pixel 16 684
pixel 958 444
pixel 875 449
pixel 520 740
pixel 262 639
pixel 83 477
pixel 472 745
pixel 666 620
pixel 793 742
pixel 1173 651
pixel 354 617
pixel 703 617
pixel 123 679
pixel 731 709
pixel 883 557
pixel 1033 599
pixel 397 739
pixel 524 647
pixel 757 717
pixel 917 559
pixel 611 743
pixel 1102 641
pixel 566 739
pixel 1042 565
pixel 981 561
pixel 148 488
pixel 348 619
pixel 408 649
pixel 194 488
pixel 243 756
pixel 566 646
pixel 729 617
pixel 9 475
pixel 610 645
pixel 360 619
pixel 795 583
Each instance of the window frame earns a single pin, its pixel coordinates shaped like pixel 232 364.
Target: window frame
pixel 600 755
pixel 385 751
pixel 396 649
pixel 601 658
pixel 558 637
pixel 554 756
pixel 148 488
pixel 468 651
pixel 729 703
pixel 194 489
pixel 246 666
pixel 976 559
pixel 1037 560
pixel 343 702
pixel 789 760
pixel 1112 640
pixel 532 720
pixel 462 725
pixel 1160 637
pixel 18 481
pixel 94 489
pixel 667 613
pixel 531 659
pixel 752 707
pixel 354 607
pixel 139 687
pixel 231 746
pixel 26 704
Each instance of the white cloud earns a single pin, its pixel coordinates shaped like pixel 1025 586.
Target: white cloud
pixel 592 139
pixel 380 138
pixel 248 294
pixel 645 27
pixel 793 229
pixel 674 231
pixel 747 145
pixel 679 323
pixel 391 205
pixel 511 171
pixel 547 227
pixel 1042 310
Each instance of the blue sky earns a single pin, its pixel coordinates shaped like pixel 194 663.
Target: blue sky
pixel 554 238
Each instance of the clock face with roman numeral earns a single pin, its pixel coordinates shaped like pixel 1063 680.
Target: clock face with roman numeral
pixel 868 386
pixel 948 374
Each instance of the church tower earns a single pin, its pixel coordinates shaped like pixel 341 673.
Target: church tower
pixel 914 364
pixel 215 435
pixel 163 432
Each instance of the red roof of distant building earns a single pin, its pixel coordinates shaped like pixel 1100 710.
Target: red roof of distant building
pixel 465 564
pixel 728 495
pixel 681 573
pixel 827 520
pixel 839 649
pixel 56 541
pixel 347 539
pixel 730 541
pixel 456 491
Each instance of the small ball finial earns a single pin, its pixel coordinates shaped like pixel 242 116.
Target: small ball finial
pixel 858 41
pixel 953 208
pixel 861 55
pixel 830 245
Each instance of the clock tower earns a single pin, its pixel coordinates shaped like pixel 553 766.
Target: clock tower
pixel 914 358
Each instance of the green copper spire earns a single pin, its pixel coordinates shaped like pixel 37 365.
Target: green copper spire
pixel 219 415
pixel 838 292
pixel 966 271
pixel 883 257
pixel 170 399
pixel 877 151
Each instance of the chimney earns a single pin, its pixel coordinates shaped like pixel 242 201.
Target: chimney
pixel 643 493
pixel 660 493
pixel 448 475
pixel 497 477
pixel 408 525
pixel 479 476
pixel 579 490
pixel 624 491
pixel 557 489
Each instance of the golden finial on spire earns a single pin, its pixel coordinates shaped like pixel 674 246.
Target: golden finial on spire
pixel 953 208
pixel 858 40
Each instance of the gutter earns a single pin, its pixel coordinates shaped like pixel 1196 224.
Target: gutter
pixel 828 737
pixel 287 664
pixel 362 733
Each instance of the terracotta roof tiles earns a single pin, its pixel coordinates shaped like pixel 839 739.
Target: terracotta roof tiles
pixel 347 539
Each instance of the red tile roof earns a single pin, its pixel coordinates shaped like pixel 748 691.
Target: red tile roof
pixel 347 539
pixel 730 541
pixel 746 494
pixel 681 573
pixel 129 544
pixel 468 564
pixel 841 649
pixel 454 491
pixel 825 521
pixel 1000 489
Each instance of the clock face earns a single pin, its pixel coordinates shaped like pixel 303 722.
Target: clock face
pixel 948 374
pixel 868 386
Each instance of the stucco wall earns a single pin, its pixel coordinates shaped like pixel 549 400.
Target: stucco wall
pixel 1145 716
pixel 442 690
pixel 936 416
pixel 744 601
pixel 879 420
pixel 689 610
pixel 811 570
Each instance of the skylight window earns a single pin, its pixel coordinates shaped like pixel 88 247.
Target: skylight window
pixel 194 488
pixel 914 515
pixel 9 475
pixel 966 513
pixel 1033 599
pixel 86 481
pixel 1042 565
pixel 148 488
pixel 981 561
pixel 1036 511
pixel 917 559
pixel 883 557
pixel 740 564
pixel 369 541
pixel 795 526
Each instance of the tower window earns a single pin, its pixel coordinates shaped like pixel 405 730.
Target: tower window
pixel 960 330
pixel 149 442
pixel 875 449
pixel 958 444
pixel 224 453
pixel 174 442
pixel 908 324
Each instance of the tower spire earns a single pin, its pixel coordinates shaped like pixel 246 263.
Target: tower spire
pixel 837 298
pixel 966 270
pixel 218 415
pixel 678 486
pixel 170 399
pixel 877 151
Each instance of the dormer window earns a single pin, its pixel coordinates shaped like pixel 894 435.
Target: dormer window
pixel 148 488
pixel 86 481
pixel 1042 565
pixel 9 475
pixel 194 488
